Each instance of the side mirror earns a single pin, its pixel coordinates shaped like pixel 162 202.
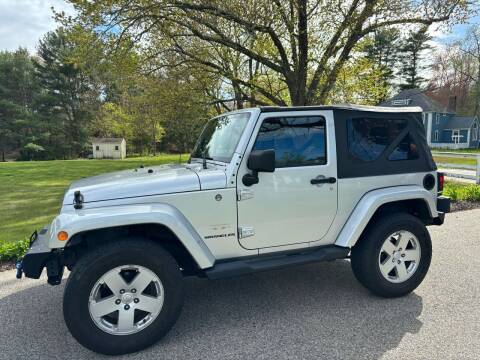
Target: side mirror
pixel 259 161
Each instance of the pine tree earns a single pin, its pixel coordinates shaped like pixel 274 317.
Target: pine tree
pixel 17 89
pixel 412 56
pixel 382 50
pixel 62 103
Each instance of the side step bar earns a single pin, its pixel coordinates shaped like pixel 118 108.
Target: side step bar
pixel 263 263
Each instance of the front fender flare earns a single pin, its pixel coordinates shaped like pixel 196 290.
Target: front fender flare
pixel 371 201
pixel 106 217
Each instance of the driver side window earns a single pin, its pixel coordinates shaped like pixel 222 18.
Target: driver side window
pixel 297 141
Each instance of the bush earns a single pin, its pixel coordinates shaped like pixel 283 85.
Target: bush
pixel 12 251
pixel 462 192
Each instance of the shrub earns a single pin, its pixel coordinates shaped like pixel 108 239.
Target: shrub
pixel 462 192
pixel 12 251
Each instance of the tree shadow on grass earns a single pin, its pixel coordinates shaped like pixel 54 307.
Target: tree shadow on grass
pixel 309 312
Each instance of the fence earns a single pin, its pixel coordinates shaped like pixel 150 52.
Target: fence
pixel 458 169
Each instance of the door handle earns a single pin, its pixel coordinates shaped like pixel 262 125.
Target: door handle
pixel 328 180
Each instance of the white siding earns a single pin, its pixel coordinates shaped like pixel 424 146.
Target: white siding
pixel 109 150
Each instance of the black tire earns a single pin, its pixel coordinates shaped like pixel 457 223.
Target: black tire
pixel 99 261
pixel 365 255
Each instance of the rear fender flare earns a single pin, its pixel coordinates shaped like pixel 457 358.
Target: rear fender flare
pixel 371 201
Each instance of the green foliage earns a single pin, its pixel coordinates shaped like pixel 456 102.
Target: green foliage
pixel 31 151
pixel 67 99
pixel 412 53
pixel 12 251
pixel 17 90
pixel 261 51
pixel 462 192
pixel 382 49
pixel 360 82
pixel 75 89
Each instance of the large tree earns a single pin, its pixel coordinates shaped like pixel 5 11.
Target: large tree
pixel 17 91
pixel 298 45
pixel 65 103
pixel 456 74
pixel 382 49
pixel 412 56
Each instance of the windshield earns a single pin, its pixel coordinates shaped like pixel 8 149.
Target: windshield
pixel 220 137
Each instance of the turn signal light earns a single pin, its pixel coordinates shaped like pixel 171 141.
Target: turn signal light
pixel 62 236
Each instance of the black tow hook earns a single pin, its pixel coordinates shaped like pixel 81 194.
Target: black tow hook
pixel 19 267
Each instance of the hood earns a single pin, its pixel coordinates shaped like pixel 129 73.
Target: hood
pixel 151 180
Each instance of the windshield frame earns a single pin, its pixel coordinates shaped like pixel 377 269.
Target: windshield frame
pixel 222 160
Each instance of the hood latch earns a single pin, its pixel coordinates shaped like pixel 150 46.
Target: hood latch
pixel 77 200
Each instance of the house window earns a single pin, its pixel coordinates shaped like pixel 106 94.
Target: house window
pixel 116 147
pixel 436 135
pixel 97 147
pixel 456 136
pixel 475 132
pixel 437 120
pixel 297 141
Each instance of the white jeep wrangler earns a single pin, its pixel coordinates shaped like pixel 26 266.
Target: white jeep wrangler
pixel 265 188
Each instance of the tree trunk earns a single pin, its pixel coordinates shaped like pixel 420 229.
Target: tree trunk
pixel 238 95
pixel 154 144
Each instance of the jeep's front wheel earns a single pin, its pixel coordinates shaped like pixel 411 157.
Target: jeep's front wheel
pixel 393 256
pixel 123 297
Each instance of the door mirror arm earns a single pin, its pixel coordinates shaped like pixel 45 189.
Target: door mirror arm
pixel 250 179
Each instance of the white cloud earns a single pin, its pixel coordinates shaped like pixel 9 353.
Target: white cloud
pixel 24 22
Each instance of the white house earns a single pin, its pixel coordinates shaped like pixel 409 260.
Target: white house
pixel 109 148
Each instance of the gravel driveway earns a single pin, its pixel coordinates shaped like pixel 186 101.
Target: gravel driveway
pixel 309 312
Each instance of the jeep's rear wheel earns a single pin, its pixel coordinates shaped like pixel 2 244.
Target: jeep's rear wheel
pixel 393 256
pixel 123 296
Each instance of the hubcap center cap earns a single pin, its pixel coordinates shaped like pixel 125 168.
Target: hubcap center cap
pixel 397 255
pixel 127 298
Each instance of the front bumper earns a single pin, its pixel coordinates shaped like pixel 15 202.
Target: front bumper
pixel 38 256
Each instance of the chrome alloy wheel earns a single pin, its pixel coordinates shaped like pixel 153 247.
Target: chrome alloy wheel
pixel 399 256
pixel 126 299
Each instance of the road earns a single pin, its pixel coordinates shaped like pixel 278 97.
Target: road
pixel 309 312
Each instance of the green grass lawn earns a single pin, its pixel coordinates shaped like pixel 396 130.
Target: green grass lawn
pixel 459 161
pixel 471 151
pixel 31 192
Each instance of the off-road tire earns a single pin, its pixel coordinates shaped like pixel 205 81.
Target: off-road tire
pixel 365 255
pixel 100 260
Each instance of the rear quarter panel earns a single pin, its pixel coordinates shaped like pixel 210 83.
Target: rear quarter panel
pixel 351 191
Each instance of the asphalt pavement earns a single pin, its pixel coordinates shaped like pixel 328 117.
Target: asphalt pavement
pixel 316 311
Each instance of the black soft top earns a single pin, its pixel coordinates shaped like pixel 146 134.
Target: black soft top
pixel 350 167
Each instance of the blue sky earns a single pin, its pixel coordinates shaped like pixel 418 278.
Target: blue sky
pixel 458 31
pixel 24 22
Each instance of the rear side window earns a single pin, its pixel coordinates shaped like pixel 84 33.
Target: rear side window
pixel 297 141
pixel 406 150
pixel 367 138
